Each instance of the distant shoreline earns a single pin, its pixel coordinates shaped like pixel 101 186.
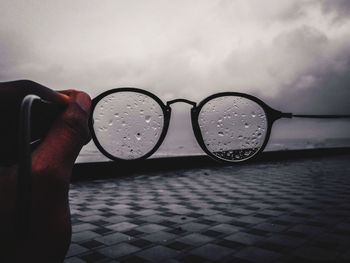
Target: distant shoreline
pixel 93 155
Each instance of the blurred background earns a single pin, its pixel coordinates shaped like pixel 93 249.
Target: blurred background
pixel 292 54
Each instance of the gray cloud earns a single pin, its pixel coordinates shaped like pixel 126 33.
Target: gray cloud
pixel 340 9
pixel 292 54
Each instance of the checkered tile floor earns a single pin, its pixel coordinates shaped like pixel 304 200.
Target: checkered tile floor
pixel 287 211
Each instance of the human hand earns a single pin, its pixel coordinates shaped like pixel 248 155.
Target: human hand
pixel 52 162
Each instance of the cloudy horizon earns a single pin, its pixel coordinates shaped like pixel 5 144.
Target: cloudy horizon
pixel 294 55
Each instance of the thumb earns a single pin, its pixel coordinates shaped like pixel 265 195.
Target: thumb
pixel 58 151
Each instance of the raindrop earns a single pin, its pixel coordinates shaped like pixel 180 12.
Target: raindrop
pixel 116 115
pixel 138 136
pixel 246 125
pixel 221 133
pixel 148 118
pixel 110 123
pixel 253 114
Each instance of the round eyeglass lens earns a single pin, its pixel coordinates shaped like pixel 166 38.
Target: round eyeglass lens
pixel 128 124
pixel 233 128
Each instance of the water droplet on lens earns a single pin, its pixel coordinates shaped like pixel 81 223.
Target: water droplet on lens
pixel 110 123
pixel 138 136
pixel 148 118
pixel 116 115
pixel 253 114
pixel 220 133
pixel 240 137
pixel 246 125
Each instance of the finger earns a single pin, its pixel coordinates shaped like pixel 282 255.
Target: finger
pixel 60 148
pixel 20 88
pixel 12 94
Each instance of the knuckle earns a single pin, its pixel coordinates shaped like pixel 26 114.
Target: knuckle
pixel 76 120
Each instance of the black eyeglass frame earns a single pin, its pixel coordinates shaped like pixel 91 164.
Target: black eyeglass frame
pixel 271 116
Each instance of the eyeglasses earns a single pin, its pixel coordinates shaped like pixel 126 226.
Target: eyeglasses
pixel 131 124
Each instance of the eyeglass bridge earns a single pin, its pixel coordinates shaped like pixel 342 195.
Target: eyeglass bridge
pixel 181 100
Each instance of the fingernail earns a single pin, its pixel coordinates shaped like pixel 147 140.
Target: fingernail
pixel 65 97
pixel 84 101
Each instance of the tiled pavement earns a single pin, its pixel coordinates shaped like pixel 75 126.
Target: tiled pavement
pixel 286 211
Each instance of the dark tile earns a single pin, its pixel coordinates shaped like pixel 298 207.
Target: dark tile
pixel 316 254
pixel 113 238
pixel 193 259
pixel 137 222
pixel 258 255
pixel 92 244
pixel 102 230
pixel 271 246
pixel 195 239
pixel 231 244
pixel 160 237
pixel 167 223
pixel 244 238
pixel 179 245
pixel 99 222
pixel 141 243
pixel 195 215
pixel 118 250
pixel 133 233
pixel 211 233
pixel 237 260
pixel 262 215
pixel 177 231
pixel 93 257
pixel 212 252
pixel 157 253
pixel 255 231
pixel 134 259
pixel 206 222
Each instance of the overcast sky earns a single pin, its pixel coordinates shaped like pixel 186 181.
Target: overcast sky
pixel 293 54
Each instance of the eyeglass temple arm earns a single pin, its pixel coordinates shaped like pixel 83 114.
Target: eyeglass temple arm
pixel 334 116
